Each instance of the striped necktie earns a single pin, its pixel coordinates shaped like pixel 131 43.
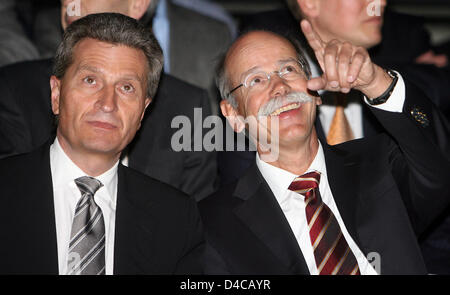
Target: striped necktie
pixel 331 251
pixel 87 242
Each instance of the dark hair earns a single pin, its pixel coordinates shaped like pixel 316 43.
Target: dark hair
pixel 223 81
pixel 116 29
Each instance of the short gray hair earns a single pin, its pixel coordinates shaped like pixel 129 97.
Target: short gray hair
pixel 116 29
pixel 223 81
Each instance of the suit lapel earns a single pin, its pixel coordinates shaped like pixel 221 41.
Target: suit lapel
pixel 261 213
pixel 134 228
pixel 319 129
pixel 371 125
pixel 344 181
pixel 39 233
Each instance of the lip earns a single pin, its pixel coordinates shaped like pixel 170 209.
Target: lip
pixel 102 125
pixel 290 114
pixel 289 108
pixel 375 19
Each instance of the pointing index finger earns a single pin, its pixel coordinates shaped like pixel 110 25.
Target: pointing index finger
pixel 312 37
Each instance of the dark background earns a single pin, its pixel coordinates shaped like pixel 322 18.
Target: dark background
pixel 436 13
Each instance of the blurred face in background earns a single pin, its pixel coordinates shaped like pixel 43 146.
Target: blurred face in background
pixel 355 21
pixel 71 10
pixel 88 7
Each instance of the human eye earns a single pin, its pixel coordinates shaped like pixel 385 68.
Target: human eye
pixel 290 69
pixel 127 88
pixel 89 80
pixel 256 79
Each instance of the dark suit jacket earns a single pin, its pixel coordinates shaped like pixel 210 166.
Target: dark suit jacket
pixel 404 39
pixel 26 122
pixel 15 46
pixel 386 193
pixel 158 229
pixel 196 42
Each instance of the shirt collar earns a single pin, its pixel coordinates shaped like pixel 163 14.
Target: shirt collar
pixel 65 171
pixel 279 179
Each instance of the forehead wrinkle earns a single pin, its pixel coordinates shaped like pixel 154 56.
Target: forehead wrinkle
pixel 255 41
pixel 94 69
pixel 256 69
pixel 88 65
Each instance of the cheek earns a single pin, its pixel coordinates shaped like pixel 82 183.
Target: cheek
pixel 131 114
pixel 254 103
pixel 345 13
pixel 73 107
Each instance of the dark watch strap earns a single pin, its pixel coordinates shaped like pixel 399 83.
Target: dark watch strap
pixel 385 96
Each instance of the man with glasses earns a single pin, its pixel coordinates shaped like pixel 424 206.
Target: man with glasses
pixel 317 209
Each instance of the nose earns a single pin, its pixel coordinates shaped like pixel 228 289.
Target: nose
pixel 278 86
pixel 107 101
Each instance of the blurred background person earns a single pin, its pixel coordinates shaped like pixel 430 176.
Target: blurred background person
pixel 14 44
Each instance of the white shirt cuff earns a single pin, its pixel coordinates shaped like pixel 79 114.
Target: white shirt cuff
pixel 396 100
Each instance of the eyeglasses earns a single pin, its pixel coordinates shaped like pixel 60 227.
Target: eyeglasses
pixel 260 80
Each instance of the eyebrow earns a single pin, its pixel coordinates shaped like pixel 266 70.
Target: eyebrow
pixel 283 61
pixel 94 69
pixel 279 62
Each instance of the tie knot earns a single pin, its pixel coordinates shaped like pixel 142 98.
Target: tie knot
pixel 87 184
pixel 306 182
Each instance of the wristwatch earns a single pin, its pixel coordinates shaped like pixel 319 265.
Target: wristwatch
pixel 385 96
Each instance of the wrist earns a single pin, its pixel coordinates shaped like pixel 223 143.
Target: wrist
pixel 379 84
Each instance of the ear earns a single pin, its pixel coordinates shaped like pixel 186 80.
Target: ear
pixel 148 100
pixel 137 8
pixel 55 86
pixel 309 8
pixel 229 112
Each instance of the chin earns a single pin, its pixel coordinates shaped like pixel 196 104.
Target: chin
pixel 102 145
pixel 372 38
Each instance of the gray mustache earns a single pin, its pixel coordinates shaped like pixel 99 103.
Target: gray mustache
pixel 275 103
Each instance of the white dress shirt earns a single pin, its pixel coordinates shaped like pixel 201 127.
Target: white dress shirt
pixel 66 196
pixel 293 206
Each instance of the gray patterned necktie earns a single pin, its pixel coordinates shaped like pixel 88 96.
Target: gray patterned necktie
pixel 87 239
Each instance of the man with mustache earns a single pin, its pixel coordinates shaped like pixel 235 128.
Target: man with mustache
pixel 70 207
pixel 318 209
pixel 394 42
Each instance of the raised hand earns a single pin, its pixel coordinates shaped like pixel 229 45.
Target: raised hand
pixel 345 66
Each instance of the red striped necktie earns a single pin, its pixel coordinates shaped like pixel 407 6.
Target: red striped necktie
pixel 331 251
